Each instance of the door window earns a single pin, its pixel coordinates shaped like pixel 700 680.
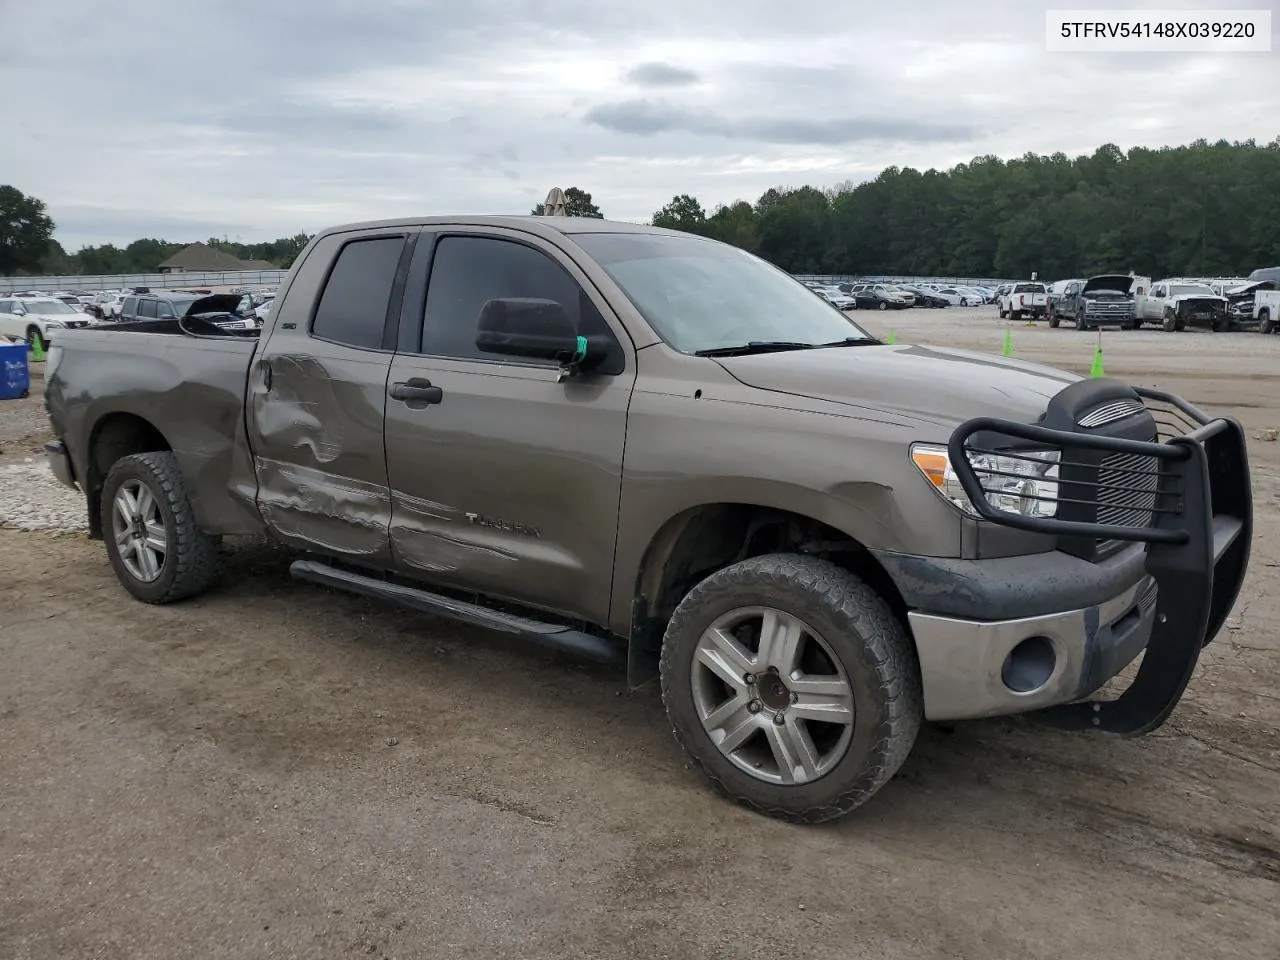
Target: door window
pixel 130 306
pixel 146 308
pixel 468 271
pixel 353 306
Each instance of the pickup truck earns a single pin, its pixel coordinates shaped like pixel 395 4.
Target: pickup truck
pixel 1023 299
pixel 1105 300
pixel 1174 304
pixel 660 451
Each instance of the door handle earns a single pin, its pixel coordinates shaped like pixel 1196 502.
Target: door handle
pixel 416 390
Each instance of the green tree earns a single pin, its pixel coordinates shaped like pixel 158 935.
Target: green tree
pixel 25 231
pixel 682 213
pixel 577 203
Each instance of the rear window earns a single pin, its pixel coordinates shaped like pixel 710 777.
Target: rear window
pixel 1029 288
pixel 353 307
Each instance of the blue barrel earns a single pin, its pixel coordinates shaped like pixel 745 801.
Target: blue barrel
pixel 15 375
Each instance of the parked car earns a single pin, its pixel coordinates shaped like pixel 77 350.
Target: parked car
pixel 834 297
pixel 38 319
pixel 578 463
pixel 1105 300
pixel 218 308
pixel 1023 300
pixel 1241 301
pixel 927 298
pixel 870 298
pixel 1055 293
pixel 1175 304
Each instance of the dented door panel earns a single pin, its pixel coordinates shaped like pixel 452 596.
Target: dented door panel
pixel 322 477
pixel 315 422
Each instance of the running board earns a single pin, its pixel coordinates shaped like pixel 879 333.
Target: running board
pixel 552 635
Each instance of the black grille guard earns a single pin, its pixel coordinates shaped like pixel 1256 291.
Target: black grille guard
pixel 1197 548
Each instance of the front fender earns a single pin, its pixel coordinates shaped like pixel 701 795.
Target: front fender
pixel 853 475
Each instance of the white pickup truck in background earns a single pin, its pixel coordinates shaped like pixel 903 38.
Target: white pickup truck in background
pixel 1175 303
pixel 1024 299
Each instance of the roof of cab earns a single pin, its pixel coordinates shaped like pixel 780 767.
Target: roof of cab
pixel 532 224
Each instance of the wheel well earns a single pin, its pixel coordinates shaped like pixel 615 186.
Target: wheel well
pixel 698 542
pixel 116 435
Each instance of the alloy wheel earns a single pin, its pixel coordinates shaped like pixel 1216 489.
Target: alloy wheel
pixel 138 527
pixel 772 695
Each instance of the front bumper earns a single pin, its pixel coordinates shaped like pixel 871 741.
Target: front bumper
pixel 1194 541
pixel 974 668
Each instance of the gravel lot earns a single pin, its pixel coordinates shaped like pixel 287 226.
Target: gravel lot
pixel 275 770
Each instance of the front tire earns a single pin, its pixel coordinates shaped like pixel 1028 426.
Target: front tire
pixel 1170 323
pixel 883 305
pixel 1054 320
pixel 156 549
pixel 797 638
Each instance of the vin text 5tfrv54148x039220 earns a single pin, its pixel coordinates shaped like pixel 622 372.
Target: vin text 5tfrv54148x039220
pixel 643 445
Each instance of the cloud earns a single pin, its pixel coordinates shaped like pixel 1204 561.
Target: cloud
pixel 261 119
pixel 646 118
pixel 661 75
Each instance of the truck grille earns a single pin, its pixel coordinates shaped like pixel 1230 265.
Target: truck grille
pixel 1127 489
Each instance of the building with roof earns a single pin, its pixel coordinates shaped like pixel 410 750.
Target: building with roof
pixel 202 258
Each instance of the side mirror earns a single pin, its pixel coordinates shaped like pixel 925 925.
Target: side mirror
pixel 537 329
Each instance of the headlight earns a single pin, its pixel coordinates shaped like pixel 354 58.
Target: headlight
pixel 1013 484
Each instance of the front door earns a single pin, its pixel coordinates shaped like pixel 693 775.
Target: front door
pixel 317 394
pixel 506 482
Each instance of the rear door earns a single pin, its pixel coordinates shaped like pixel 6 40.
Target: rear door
pixel 508 483
pixel 317 395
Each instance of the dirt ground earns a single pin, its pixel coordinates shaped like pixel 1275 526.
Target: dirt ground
pixel 274 770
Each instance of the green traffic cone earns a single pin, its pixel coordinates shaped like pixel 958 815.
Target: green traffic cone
pixel 1096 369
pixel 1008 344
pixel 37 349
pixel 892 338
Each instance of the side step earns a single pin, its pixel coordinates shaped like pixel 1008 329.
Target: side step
pixel 552 635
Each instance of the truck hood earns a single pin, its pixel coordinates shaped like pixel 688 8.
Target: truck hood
pixel 927 384
pixel 214 303
pixel 1199 297
pixel 1107 286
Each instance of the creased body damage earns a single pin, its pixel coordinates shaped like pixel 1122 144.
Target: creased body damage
pixel 317 509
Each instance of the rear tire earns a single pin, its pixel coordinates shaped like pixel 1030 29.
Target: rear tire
pixel 842 637
pixel 1015 315
pixel 156 549
pixel 1054 320
pixel 1265 323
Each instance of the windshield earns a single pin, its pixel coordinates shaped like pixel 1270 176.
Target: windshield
pixel 1191 289
pixel 48 307
pixel 702 295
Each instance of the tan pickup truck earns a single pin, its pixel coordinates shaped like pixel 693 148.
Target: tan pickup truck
pixel 649 447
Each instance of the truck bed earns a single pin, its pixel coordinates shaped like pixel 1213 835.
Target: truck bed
pixel 191 389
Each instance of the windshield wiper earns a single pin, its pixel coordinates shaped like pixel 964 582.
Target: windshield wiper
pixel 754 346
pixel 853 342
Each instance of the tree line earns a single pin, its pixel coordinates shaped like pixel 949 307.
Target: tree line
pixel 1206 209
pixel 1201 209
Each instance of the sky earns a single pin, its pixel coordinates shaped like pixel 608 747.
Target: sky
pixel 255 119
